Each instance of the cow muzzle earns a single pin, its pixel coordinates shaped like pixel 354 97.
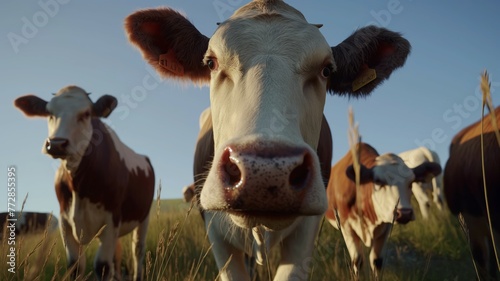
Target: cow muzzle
pixel 56 147
pixel 404 215
pixel 271 182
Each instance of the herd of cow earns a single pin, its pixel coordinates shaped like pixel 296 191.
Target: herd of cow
pixel 266 187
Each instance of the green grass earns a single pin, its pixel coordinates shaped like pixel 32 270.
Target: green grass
pixel 178 249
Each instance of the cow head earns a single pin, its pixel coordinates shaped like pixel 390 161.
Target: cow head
pixel 69 115
pixel 392 180
pixel 269 71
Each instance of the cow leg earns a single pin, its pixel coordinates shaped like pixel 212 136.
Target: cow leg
pixel 103 263
pixel 117 260
pixel 228 253
pixel 139 247
pixel 72 249
pixel 437 195
pixel 355 249
pixel 297 250
pixel 380 235
pixel 482 247
pixel 422 199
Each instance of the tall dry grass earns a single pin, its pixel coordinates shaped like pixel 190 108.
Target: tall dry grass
pixel 178 250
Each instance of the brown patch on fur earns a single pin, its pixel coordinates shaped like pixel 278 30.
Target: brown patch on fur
pixel 474 130
pixel 341 190
pixel 102 177
pixel 157 31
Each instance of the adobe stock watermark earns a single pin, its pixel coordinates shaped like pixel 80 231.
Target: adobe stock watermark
pixel 455 116
pixel 383 17
pixel 32 25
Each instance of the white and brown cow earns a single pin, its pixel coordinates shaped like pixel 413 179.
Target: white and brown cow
pixel 464 191
pixel 269 71
pixel 384 197
pixel 414 158
pixel 101 182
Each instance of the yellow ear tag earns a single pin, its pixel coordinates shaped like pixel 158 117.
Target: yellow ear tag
pixel 364 78
pixel 170 63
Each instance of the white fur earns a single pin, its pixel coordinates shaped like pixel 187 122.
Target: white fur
pixel 418 156
pixel 65 108
pixel 266 96
pixel 391 169
pixel 133 161
pixel 231 243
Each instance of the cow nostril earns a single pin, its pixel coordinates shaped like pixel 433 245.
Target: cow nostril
pixel 404 216
pixel 231 169
pixel 64 143
pixel 56 145
pixel 300 174
pixel 47 144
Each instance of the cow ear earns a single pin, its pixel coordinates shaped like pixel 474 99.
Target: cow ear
pixel 365 59
pixel 32 106
pixel 104 106
pixel 170 43
pixel 366 174
pixel 425 171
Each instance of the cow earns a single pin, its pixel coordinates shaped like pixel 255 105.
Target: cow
pixel 464 191
pixel 29 222
pixel 269 71
pixel 188 193
pixel 100 184
pixel 412 159
pixel 366 214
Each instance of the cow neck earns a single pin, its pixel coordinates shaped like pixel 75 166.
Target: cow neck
pixel 92 174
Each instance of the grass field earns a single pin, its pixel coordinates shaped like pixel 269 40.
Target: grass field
pixel 178 249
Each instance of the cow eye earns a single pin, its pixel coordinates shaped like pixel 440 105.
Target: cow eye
pixel 379 184
pixel 84 116
pixel 326 71
pixel 211 63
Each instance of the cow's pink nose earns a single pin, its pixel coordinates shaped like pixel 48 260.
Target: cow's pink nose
pixel 404 216
pixel 267 177
pixel 293 168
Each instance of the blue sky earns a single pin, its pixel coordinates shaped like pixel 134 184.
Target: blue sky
pixel 48 44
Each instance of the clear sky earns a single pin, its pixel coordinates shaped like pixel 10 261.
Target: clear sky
pixel 48 44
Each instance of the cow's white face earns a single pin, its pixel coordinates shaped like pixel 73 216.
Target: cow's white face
pixel 268 71
pixel 69 114
pixel 392 189
pixel 267 91
pixel 69 118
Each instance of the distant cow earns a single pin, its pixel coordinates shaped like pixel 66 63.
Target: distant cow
pixel 101 181
pixel 412 159
pixel 30 222
pixel 384 198
pixel 269 71
pixel 188 193
pixel 464 190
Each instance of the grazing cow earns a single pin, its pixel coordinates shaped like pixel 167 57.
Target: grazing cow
pixel 30 222
pixel 101 181
pixel 464 190
pixel 412 159
pixel 269 71
pixel 384 197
